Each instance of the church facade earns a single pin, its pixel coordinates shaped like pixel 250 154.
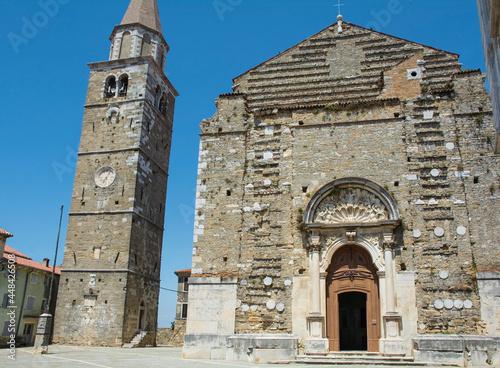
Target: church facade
pixel 110 279
pixel 347 200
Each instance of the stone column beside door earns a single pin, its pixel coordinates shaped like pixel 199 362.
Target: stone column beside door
pixel 316 343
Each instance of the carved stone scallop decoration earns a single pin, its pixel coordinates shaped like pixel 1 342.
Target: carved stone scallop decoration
pixel 350 205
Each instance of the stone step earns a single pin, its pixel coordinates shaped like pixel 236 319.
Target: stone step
pixel 371 41
pixel 289 86
pixel 291 68
pixel 298 93
pixel 355 358
pixel 313 101
pixel 383 45
pixel 392 54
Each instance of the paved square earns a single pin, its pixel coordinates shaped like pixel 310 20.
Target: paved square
pixel 61 356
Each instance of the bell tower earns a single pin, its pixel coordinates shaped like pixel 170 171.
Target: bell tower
pixel 110 280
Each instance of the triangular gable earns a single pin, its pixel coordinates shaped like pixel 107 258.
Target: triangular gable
pixel 332 67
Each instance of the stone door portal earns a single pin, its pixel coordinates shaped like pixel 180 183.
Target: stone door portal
pixel 353 303
pixel 142 316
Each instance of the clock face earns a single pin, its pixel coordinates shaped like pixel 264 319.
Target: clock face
pixel 105 176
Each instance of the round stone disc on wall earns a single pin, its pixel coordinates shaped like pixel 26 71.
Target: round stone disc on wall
pixel 439 232
pixel 271 304
pixel 443 274
pixel 438 304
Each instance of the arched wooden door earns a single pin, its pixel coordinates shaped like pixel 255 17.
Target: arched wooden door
pixel 353 303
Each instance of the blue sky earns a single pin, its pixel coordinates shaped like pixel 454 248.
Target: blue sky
pixel 45 78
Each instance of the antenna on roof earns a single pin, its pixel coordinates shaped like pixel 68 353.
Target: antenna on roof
pixel 339 17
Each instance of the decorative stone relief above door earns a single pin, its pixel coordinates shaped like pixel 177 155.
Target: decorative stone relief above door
pixel 350 205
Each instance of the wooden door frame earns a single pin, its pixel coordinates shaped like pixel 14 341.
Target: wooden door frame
pixel 362 280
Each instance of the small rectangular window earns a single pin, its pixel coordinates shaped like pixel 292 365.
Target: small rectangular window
pixel 30 305
pixel 186 284
pixel 28 329
pixel 97 253
pixel 5 301
pixel 6 329
pixel 184 313
pixel 34 278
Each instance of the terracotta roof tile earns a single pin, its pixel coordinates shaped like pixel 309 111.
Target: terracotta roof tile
pixel 16 252
pixel 183 271
pixel 24 260
pixel 5 233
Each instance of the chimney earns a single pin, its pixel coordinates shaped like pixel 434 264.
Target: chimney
pixel 2 246
pixel 45 262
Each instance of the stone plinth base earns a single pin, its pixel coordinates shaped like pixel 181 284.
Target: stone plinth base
pixel 457 349
pixel 393 347
pixel 248 348
pixel 43 331
pixel 262 348
pixel 316 346
pixel 204 346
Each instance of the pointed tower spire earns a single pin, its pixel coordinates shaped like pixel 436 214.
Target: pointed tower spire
pixel 140 34
pixel 144 12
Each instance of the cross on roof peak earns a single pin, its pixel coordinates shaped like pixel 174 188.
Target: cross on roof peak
pixel 339 5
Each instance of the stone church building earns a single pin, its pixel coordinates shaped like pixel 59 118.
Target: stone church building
pixel 347 200
pixel 110 280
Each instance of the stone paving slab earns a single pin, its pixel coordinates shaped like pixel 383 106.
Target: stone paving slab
pixel 61 356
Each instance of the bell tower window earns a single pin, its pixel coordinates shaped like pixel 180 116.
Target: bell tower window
pixel 110 87
pixel 157 97
pixel 126 45
pixel 123 85
pixel 163 104
pixel 161 58
pixel 147 47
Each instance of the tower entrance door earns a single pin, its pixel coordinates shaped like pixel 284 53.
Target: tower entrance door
pixel 353 304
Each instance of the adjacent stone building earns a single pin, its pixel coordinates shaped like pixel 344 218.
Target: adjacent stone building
pixel 111 271
pixel 348 199
pixel 489 19
pixel 174 336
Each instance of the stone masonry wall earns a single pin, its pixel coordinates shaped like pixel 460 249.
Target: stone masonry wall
pixel 397 113
pixel 117 230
